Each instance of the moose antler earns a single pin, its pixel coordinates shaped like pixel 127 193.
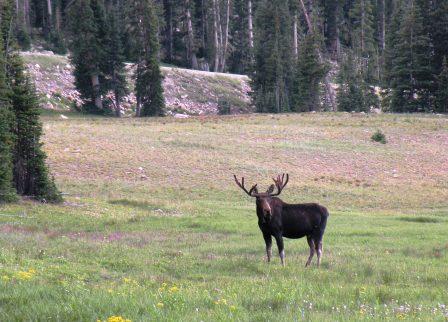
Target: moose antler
pixel 279 183
pixel 241 185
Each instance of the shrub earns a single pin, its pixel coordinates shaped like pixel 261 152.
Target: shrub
pixel 23 39
pixel 223 107
pixel 379 136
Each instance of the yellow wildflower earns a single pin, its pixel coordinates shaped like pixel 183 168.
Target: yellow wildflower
pixel 5 278
pixel 24 275
pixel 173 289
pixel 127 280
pixel 159 305
pixel 117 319
pixel 221 301
pixel 232 308
pixel 401 316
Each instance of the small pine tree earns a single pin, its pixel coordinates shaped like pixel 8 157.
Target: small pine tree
pixel 354 93
pixel 350 96
pixel 31 175
pixel 7 192
pixel 442 89
pixel 309 73
pixel 148 84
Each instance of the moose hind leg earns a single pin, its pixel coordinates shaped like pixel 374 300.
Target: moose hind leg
pixel 281 250
pixel 268 241
pixel 312 246
pixel 319 252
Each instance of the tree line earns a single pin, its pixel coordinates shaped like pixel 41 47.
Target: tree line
pixel 292 49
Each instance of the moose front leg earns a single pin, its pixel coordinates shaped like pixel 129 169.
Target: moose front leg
pixel 281 250
pixel 268 241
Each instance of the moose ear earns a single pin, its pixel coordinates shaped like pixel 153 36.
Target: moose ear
pixel 271 189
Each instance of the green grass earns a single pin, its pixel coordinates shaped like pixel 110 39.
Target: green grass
pixel 154 227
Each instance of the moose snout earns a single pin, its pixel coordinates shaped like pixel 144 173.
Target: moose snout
pixel 267 212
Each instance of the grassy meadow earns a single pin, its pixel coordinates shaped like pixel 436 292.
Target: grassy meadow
pixel 153 227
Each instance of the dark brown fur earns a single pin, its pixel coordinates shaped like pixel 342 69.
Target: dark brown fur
pixel 278 219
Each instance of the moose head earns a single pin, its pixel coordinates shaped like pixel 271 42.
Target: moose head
pixel 264 199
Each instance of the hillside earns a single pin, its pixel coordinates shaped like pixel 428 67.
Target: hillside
pixel 186 91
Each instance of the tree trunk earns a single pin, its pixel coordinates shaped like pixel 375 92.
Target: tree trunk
pixel 220 33
pixel 168 9
pixel 250 26
pixel 329 91
pixel 96 91
pixel 49 8
pixel 58 17
pixel 226 38
pixel 26 15
pixel 363 14
pixel 215 38
pixel 382 21
pixel 203 24
pixel 116 95
pixel 49 15
pixel 190 47
pixel 295 37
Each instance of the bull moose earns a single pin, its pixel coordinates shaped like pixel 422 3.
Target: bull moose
pixel 280 219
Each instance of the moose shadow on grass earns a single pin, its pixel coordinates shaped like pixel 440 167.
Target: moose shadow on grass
pixel 420 219
pixel 144 205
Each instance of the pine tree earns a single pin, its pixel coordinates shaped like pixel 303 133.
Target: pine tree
pixel 391 40
pixel 309 73
pixel 7 192
pixel 148 84
pixel 354 93
pixel 31 175
pixel 350 96
pixel 364 40
pixel 88 30
pixel 240 61
pixel 272 78
pixel 442 89
pixel 438 24
pixel 411 75
pixel 113 64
